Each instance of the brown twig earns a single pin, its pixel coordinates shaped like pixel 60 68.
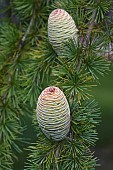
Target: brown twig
pixel 87 38
pixel 17 55
pixel 22 41
pixel 88 34
pixel 57 153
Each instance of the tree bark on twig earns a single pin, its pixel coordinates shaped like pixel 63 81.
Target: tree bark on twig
pixel 88 34
pixel 17 55
pixel 57 152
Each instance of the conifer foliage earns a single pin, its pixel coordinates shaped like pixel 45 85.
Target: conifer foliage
pixel 34 56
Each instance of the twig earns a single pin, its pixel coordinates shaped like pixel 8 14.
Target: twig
pixel 87 38
pixel 90 27
pixel 78 65
pixel 57 152
pixel 21 44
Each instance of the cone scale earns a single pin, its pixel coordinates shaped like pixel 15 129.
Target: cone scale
pixel 61 27
pixel 53 113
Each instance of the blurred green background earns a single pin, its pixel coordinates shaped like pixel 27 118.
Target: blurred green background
pixel 103 94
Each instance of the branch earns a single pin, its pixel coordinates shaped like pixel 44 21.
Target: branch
pixel 90 27
pixel 57 152
pixel 21 44
pixel 87 38
pixel 22 41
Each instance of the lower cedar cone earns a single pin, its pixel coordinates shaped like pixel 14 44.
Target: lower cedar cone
pixel 53 113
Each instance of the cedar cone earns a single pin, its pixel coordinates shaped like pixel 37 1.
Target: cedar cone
pixel 53 113
pixel 61 27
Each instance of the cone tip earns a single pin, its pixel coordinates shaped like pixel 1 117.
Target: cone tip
pixel 57 11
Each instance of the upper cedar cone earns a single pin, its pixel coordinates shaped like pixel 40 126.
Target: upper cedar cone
pixel 61 27
pixel 53 113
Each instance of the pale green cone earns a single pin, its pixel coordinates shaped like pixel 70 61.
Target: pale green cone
pixel 53 113
pixel 61 27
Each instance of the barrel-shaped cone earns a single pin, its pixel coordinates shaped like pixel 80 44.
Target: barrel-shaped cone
pixel 53 113
pixel 61 27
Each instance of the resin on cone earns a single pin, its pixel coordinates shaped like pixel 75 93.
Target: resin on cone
pixel 53 113
pixel 61 27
